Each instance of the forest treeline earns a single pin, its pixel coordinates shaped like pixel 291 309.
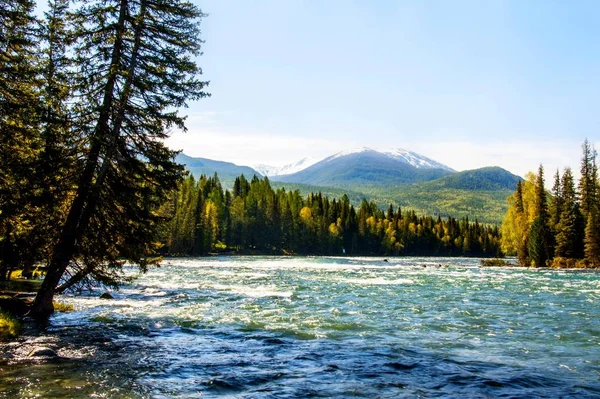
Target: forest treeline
pixel 255 218
pixel 560 228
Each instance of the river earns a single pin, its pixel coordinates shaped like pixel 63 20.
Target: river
pixel 280 327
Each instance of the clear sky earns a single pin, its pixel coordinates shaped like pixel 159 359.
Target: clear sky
pixel 467 83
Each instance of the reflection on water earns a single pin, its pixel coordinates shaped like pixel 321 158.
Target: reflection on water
pixel 325 327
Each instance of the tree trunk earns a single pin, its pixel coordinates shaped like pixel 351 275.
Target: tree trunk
pixel 65 249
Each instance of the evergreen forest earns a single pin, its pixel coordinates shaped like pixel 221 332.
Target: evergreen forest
pixel 255 218
pixel 560 228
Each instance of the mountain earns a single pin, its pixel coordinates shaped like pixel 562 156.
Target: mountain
pixel 226 171
pixel 414 159
pixel 288 169
pixel 367 167
pixel 399 177
pixel 491 178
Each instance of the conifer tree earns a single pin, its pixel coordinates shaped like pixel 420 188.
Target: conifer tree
pixel 539 238
pixel 588 183
pixel 592 238
pixel 567 235
pixel 19 130
pixel 556 201
pixel 135 69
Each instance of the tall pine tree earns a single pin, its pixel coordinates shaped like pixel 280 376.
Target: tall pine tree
pixel 135 69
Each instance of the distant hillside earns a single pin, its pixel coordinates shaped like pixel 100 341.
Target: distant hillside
pixel 368 174
pixel 226 171
pixel 487 179
pixel 362 168
pixel 479 194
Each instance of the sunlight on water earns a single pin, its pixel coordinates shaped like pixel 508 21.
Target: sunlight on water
pixel 341 327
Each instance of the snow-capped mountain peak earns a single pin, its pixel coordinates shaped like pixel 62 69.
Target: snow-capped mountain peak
pixel 288 169
pixel 266 170
pixel 349 152
pixel 415 159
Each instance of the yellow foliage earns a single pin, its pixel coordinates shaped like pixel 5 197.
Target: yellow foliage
pixel 210 218
pixel 306 214
pixel 9 326
pixel 62 307
pixel 334 230
pixel 515 225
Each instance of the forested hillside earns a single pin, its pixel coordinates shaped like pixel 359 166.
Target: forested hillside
pixel 255 218
pixel 479 193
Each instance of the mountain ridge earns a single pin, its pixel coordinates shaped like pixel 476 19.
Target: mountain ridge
pixel 368 174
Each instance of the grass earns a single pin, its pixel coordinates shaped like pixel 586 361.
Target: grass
pixel 62 307
pixel 9 326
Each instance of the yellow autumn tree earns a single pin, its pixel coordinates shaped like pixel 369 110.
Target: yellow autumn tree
pixel 518 219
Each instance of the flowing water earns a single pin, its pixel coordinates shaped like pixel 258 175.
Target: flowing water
pixel 253 327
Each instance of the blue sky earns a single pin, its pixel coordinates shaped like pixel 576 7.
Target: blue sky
pixel 468 83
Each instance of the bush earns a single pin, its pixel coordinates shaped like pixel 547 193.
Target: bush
pixel 9 326
pixel 495 262
pixel 62 307
pixel 567 263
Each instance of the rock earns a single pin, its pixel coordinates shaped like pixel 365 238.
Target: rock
pixel 42 351
pixel 106 295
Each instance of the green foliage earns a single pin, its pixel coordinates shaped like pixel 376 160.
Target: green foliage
pixel 536 243
pixel 255 217
pixel 483 179
pixel 569 240
pixel 592 238
pixel 9 326
pixel 87 97
pixel 564 234
pixel 442 197
pixel 227 171
pixel 20 142
pixel 495 262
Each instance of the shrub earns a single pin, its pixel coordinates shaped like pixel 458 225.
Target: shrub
pixel 9 326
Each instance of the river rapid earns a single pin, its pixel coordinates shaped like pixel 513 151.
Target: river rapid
pixel 281 327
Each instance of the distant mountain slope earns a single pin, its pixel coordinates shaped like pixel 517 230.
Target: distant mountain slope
pixel 226 171
pixel 491 178
pixel 417 160
pixel 267 170
pixel 363 167
pixel 479 194
pixel 372 175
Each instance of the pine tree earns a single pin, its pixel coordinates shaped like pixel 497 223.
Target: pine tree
pixel 588 183
pixel 135 69
pixel 592 238
pixel 19 132
pixel 556 202
pixel 539 238
pixel 589 187
pixel 567 237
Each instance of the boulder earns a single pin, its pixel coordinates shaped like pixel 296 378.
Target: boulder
pixel 42 351
pixel 106 295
